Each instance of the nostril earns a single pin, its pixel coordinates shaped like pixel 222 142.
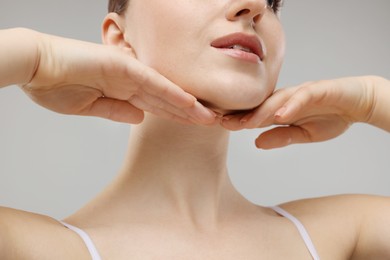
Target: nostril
pixel 242 12
pixel 256 18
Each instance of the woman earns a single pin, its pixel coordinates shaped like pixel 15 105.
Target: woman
pixel 172 198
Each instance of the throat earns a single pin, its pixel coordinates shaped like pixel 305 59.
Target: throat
pixel 169 145
pixel 180 168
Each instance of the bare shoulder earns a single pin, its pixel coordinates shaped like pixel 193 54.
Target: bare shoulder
pixel 356 225
pixel 338 204
pixel 26 235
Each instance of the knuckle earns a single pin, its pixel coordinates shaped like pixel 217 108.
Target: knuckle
pixel 307 136
pixel 143 77
pixel 148 82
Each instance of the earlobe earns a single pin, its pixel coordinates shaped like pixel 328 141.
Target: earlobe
pixel 113 32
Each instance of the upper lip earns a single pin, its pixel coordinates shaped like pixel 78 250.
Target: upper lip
pixel 249 41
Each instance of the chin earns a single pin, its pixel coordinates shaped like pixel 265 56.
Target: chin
pixel 232 92
pixel 233 104
pixel 237 98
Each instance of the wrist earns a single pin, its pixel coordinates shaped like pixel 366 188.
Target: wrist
pixel 20 56
pixel 33 53
pixel 380 105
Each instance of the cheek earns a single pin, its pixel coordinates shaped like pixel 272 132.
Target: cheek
pixel 147 35
pixel 166 47
pixel 275 42
pixel 159 41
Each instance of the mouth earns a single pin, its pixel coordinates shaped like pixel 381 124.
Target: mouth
pixel 240 45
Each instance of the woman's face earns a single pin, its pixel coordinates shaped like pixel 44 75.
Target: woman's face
pixel 227 53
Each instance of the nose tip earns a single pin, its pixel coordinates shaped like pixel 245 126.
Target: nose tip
pixel 250 10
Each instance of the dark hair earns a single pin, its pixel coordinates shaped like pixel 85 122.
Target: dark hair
pixel 117 6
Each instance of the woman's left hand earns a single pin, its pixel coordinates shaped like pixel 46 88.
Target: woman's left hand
pixel 311 112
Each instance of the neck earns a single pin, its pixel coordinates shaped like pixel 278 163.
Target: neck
pixel 180 170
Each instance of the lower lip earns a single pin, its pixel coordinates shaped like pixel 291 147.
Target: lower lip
pixel 241 55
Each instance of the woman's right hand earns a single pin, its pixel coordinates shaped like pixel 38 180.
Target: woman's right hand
pixel 82 78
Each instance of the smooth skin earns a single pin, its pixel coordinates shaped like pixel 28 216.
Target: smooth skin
pixel 317 111
pixel 158 206
pixel 81 78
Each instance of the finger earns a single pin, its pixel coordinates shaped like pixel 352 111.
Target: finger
pixel 195 112
pixel 116 110
pixel 140 78
pixel 282 136
pixel 134 75
pixel 160 87
pixel 153 83
pixel 307 96
pixel 264 115
pixel 180 117
pixel 156 103
pixel 201 114
pixel 233 122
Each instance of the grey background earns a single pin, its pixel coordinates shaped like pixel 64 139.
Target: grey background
pixel 53 164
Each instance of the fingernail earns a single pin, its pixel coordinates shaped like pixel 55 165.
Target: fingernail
pixel 281 112
pixel 213 114
pixel 227 118
pixel 203 114
pixel 224 120
pixel 217 114
pixel 246 118
pixel 193 99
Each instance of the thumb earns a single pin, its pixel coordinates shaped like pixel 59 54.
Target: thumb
pixel 282 136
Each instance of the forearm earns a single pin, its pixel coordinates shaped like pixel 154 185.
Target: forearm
pixel 380 114
pixel 19 56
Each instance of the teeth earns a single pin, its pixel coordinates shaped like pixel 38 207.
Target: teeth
pixel 239 47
